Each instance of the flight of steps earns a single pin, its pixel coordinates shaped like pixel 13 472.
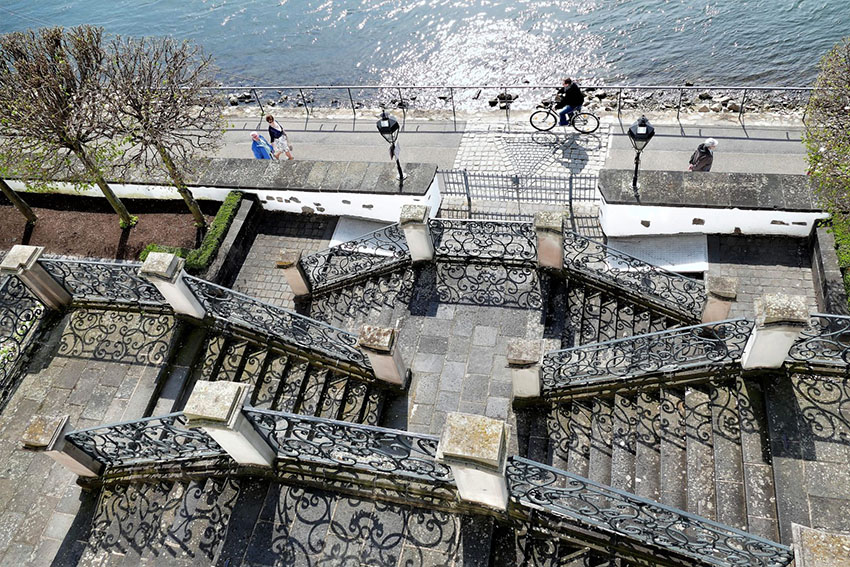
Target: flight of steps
pixel 279 381
pixel 230 521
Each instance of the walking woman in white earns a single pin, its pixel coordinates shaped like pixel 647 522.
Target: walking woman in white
pixel 280 141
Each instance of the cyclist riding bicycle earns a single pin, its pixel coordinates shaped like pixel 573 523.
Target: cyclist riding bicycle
pixel 570 99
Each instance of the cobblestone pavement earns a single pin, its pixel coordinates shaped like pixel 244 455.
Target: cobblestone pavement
pixel 97 367
pixel 762 264
pixel 258 276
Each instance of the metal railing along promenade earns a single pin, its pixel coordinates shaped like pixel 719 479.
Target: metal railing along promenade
pixel 551 190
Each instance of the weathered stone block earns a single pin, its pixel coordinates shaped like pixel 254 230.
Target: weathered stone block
pixel 473 439
pixel 161 265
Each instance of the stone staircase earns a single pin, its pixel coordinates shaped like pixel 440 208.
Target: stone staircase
pixel 280 380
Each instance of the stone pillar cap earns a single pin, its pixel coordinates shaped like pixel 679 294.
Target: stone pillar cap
pixel 414 214
pixel 380 339
pixel 215 403
pixel 163 266
pixel 20 258
pixel 549 221
pixel 288 258
pixel 473 439
pixel 723 287
pixel 43 432
pixel 818 548
pixel 776 308
pixel 523 351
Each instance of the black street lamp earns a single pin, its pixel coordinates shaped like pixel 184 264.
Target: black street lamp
pixel 640 133
pixel 389 129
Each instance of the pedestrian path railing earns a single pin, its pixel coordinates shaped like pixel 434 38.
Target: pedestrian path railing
pixel 556 191
pixel 238 313
pixel 370 255
pixel 21 314
pixel 559 494
pixel 824 345
pixel 683 353
pixel 602 265
pixel 97 283
pixel 504 242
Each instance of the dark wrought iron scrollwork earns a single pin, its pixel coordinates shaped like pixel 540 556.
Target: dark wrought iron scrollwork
pixel 585 502
pixel 475 240
pixel 599 263
pixel 20 315
pixel 672 350
pixel 342 444
pixel 237 309
pixel 150 440
pixel 826 340
pixel 92 282
pixel 371 254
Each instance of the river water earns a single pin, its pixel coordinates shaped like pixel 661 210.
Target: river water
pixel 462 42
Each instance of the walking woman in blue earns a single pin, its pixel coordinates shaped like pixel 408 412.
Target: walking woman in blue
pixel 261 148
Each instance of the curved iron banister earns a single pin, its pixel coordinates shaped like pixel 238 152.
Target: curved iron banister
pixel 604 265
pixel 826 341
pixel 94 282
pixel 582 501
pixel 20 315
pixel 342 444
pixel 265 319
pixel 671 350
pixel 508 242
pixel 152 440
pixel 371 254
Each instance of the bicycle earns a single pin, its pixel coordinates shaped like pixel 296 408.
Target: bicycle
pixel 546 118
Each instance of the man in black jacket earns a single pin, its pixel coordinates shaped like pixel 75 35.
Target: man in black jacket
pixel 570 98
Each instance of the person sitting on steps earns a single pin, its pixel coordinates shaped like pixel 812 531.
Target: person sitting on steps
pixel 570 99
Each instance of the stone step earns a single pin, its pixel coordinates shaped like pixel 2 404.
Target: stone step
pixel 334 396
pixel 624 426
pixel 590 320
pixel 178 535
pixel 373 407
pixel 232 360
pixel 354 401
pixel 158 552
pixel 254 366
pixel 700 449
pixel 558 425
pixel 641 321
pixel 647 451
pixel 313 391
pixel 267 389
pixel 608 318
pixel 578 459
pixel 674 459
pixel 728 458
pixel 292 382
pixel 179 371
pixel 601 435
pixel 212 357
pixel 575 312
pixel 210 518
pixel 243 521
pixel 625 320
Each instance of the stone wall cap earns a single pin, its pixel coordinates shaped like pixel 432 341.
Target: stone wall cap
pixel 379 339
pixel 473 439
pixel 777 308
pixel 818 548
pixel 163 266
pixel 288 258
pixel 414 214
pixel 723 287
pixel 20 258
pixel 215 402
pixel 549 221
pixel 43 431
pixel 524 351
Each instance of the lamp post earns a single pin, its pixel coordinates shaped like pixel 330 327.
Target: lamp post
pixel 640 133
pixel 389 129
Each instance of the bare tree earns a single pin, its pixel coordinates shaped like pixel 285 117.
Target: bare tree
pixel 52 111
pixel 16 200
pixel 164 105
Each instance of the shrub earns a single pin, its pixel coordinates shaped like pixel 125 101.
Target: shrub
pixel 199 259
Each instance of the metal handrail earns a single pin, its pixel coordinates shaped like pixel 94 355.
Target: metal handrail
pixel 20 316
pixel 504 241
pixel 667 529
pixel 98 282
pixel 632 358
pixel 825 342
pixel 590 259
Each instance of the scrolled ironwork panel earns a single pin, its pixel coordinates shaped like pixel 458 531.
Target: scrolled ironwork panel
pixel 238 309
pixel 20 315
pixel 826 340
pixel 342 444
pixel 103 282
pixel 585 502
pixel 501 241
pixel 603 264
pixel 672 350
pixel 375 252
pixel 150 440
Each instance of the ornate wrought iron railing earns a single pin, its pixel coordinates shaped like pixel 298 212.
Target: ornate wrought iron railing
pixel 336 444
pixel 20 316
pixel 584 502
pixel 826 342
pixel 606 266
pixel 234 309
pixel 164 439
pixel 504 242
pixel 371 254
pixel 672 350
pixel 97 283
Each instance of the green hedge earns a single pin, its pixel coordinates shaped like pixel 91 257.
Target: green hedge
pixel 840 228
pixel 199 259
